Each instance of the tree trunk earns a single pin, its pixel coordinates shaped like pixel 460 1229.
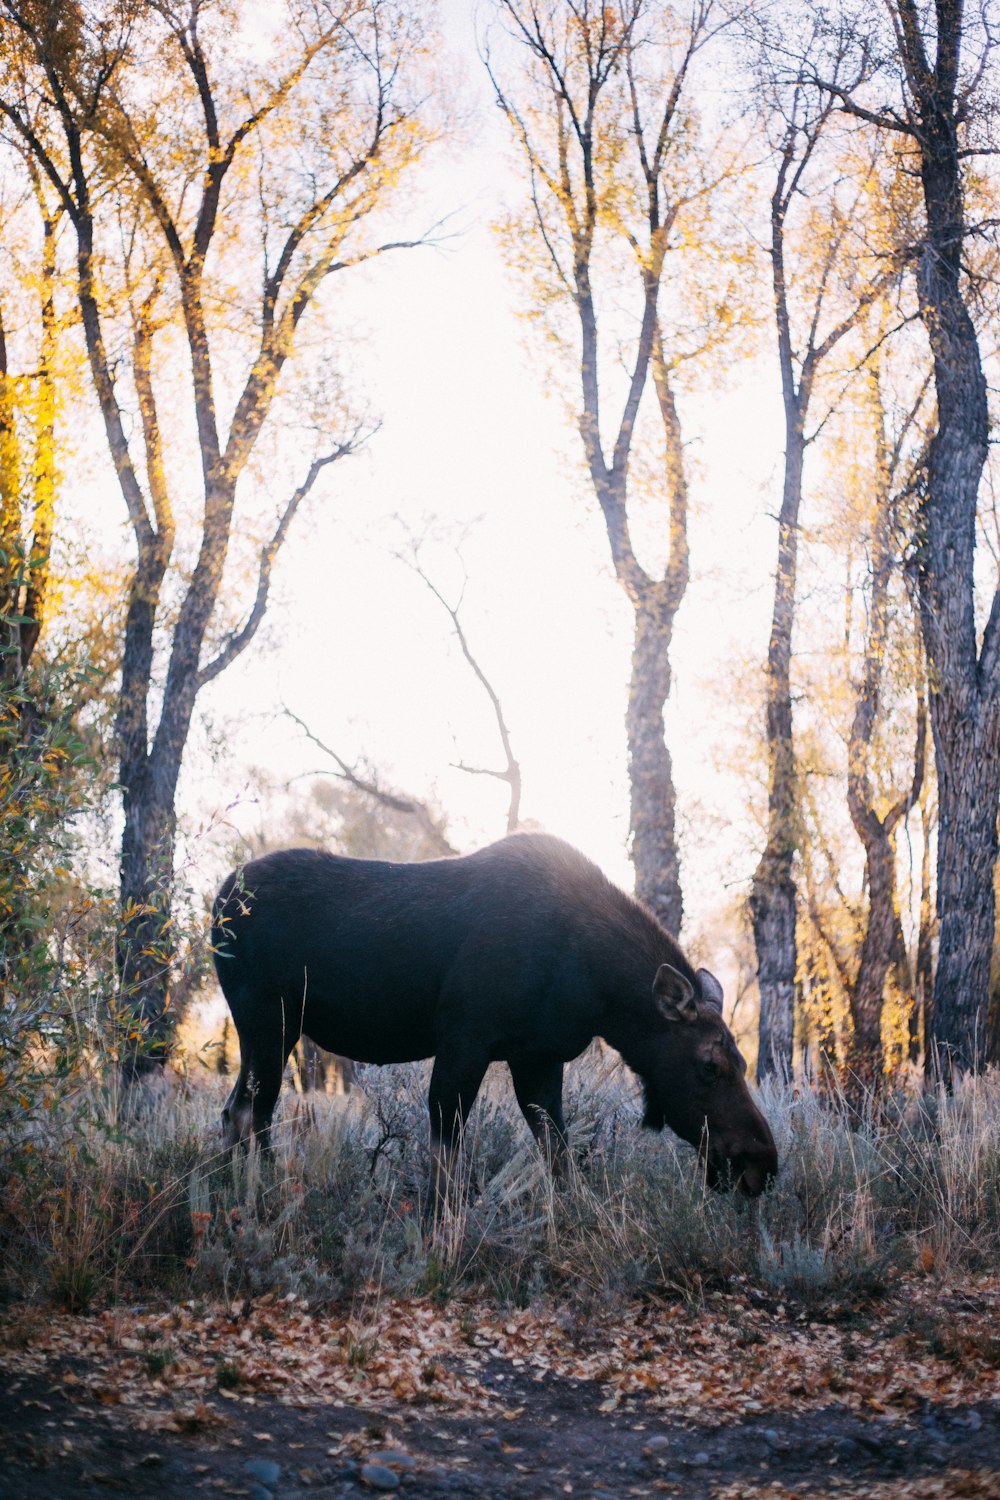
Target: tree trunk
pixel 773 893
pixel 877 946
pixel 882 944
pixel 772 912
pixel 654 843
pixel 963 685
pixel 145 939
pixel 585 200
pixel 968 793
pixel 923 979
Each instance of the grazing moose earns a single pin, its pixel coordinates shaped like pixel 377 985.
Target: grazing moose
pixel 521 953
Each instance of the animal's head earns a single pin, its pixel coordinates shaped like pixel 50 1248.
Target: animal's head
pixel 695 1082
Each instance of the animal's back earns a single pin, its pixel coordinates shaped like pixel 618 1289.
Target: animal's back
pixel 332 946
pixel 371 959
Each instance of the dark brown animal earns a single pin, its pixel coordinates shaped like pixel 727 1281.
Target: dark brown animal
pixel 521 953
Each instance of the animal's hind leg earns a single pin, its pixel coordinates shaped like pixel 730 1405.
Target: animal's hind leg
pixel 237 1114
pixel 250 1107
pixel 266 1086
pixel 455 1083
pixel 538 1085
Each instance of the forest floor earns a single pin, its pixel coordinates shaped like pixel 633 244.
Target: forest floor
pixel 730 1395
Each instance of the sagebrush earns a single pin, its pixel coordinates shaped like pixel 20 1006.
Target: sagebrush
pixel 95 1207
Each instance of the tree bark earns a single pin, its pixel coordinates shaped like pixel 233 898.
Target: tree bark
pixel 968 793
pixel 651 785
pixel 653 800
pixel 654 601
pixel 939 103
pixel 882 944
pixel 773 892
pixel 964 687
pixel 923 978
pixel 145 946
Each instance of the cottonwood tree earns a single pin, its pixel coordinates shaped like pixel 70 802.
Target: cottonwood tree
pixel 924 79
pixel 598 100
pixel 862 725
pixel 823 277
pixel 216 170
pixel 875 815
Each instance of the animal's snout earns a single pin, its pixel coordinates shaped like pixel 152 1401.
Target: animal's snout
pixel 755 1168
pixel 747 1165
pixel 754 1176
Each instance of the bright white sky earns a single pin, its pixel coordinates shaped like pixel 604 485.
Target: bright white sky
pixel 360 650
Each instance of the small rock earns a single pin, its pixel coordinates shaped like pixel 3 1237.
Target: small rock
pixel 258 1492
pixel 395 1458
pixel 379 1477
pixel 264 1469
pixel 845 1447
pixel 656 1446
pixel 973 1420
pixel 491 1445
pixel 772 1436
pixel 700 1458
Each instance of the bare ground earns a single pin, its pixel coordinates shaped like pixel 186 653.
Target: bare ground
pixel 729 1399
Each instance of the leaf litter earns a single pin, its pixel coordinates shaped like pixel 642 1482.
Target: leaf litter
pixel 734 1358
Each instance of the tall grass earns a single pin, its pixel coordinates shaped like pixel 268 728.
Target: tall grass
pixel 91 1210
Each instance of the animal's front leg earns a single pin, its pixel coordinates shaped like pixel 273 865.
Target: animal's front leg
pixel 538 1085
pixel 455 1082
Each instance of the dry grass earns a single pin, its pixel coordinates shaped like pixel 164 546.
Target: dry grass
pixel 96 1210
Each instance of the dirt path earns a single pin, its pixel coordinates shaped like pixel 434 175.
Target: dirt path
pixel 731 1400
pixel 553 1439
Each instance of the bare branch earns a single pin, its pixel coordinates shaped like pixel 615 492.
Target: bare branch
pixel 512 772
pixel 239 641
pixel 396 801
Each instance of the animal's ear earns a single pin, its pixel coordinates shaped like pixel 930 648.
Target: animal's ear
pixel 711 990
pixel 674 994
